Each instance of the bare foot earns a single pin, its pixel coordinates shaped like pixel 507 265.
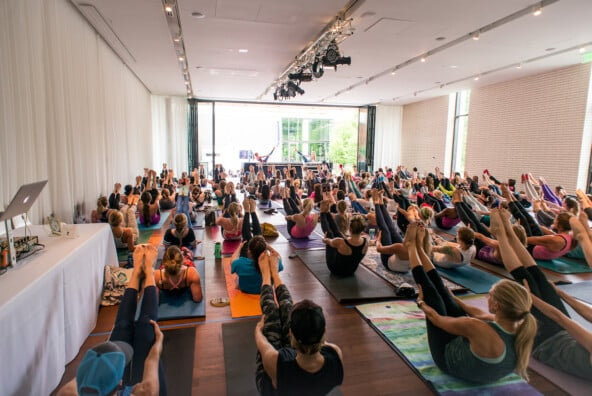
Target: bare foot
pixel 252 205
pixel 324 207
pixel 139 253
pixel 496 223
pixel 506 193
pixel 410 235
pixel 246 204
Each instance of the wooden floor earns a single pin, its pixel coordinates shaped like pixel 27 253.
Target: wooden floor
pixel 371 366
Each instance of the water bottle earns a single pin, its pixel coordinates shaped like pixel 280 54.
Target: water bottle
pixel 269 203
pixel 130 260
pixel 218 250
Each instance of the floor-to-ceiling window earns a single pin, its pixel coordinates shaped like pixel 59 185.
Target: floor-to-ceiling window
pixel 461 122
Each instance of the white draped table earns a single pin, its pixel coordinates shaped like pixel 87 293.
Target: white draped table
pixel 48 306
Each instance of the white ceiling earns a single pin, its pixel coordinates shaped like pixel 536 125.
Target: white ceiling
pixel 387 33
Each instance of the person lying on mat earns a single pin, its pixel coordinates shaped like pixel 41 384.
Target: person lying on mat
pixel 300 223
pixel 293 356
pixel 175 276
pixel 490 251
pixel 101 214
pixel 560 343
pixel 464 341
pixel 231 225
pixel 181 235
pixel 343 254
pixel 149 212
pixel 450 254
pixel 124 228
pixel 129 363
pixel 245 260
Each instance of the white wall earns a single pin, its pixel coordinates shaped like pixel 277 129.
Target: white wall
pixel 387 146
pixel 423 138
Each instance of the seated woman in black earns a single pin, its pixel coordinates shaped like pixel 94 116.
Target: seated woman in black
pixel 166 202
pixel 293 358
pixel 181 235
pixel 343 254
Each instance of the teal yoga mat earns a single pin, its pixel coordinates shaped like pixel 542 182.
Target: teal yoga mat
pixel 565 265
pixel 472 278
pixel 402 325
pixel 163 217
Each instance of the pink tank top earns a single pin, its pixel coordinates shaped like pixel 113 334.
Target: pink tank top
pixel 305 231
pixel 542 253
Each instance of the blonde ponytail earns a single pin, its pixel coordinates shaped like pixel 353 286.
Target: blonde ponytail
pixel 523 343
pixel 233 210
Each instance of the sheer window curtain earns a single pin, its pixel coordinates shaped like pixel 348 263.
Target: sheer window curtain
pixel 169 126
pixel 387 146
pixel 70 111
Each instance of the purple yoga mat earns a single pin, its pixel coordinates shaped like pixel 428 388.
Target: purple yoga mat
pixel 314 240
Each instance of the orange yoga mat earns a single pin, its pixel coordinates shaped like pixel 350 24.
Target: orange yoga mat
pixel 241 304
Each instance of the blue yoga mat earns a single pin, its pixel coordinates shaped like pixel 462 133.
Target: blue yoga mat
pixel 580 290
pixel 476 280
pixel 181 306
pixel 565 265
pixel 163 217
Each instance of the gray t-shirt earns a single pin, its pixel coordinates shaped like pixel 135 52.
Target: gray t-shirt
pixel 564 353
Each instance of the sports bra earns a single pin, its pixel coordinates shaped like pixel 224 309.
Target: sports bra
pixel 304 232
pixel 542 253
pixel 176 288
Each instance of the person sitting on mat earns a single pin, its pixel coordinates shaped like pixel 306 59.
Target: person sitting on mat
pixel 465 341
pixel 343 254
pixel 490 251
pixel 177 276
pixel 293 356
pixel 450 254
pixel 560 343
pixel 263 158
pixel 245 258
pixel 149 212
pixel 300 223
pixel 165 202
pixel 106 369
pixel 125 233
pixel 181 235
pixel 232 225
pixel 101 214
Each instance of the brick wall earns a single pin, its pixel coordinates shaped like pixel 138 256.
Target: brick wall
pixel 530 124
pixel 423 136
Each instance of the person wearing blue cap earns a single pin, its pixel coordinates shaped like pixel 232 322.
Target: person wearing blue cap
pixel 129 363
pixel 293 357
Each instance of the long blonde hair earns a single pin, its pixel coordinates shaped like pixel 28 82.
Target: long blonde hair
pixel 307 205
pixel 233 211
pixel 514 303
pixel 180 225
pixel 102 204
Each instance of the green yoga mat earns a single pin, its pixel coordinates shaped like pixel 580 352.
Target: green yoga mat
pixel 402 325
pixel 565 265
pixel 143 237
pixel 472 278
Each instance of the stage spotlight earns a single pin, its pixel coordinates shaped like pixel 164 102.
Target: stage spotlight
pixel 300 76
pixel 293 88
pixel 333 57
pixel 317 69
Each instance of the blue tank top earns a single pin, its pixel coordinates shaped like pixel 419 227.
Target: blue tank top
pixel 462 363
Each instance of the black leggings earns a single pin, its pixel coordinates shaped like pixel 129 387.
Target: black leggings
pixel 434 202
pixel 291 208
pixel 389 233
pixel 540 287
pixel 437 296
pixel 246 233
pixel 526 220
pixel 139 334
pixel 403 203
pixel 468 217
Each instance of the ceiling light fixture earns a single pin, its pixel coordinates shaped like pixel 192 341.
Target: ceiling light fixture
pixel 519 66
pixel 476 36
pixel 582 50
pixel 168 9
pixel 181 58
pixel 177 39
pixel 393 72
pixel 198 15
pixel 423 59
pixel 538 10
pixel 243 51
pixel 476 78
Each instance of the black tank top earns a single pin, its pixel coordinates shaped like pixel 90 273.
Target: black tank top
pixel 346 265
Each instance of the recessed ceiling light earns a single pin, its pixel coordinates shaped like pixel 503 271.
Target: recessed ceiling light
pixel 582 50
pixel 476 78
pixel 476 36
pixel 519 66
pixel 441 38
pixel 453 66
pixel 550 49
pixel 393 72
pixel 423 59
pixel 168 9
pixel 538 10
pixel 198 15
pixel 181 58
pixel 243 50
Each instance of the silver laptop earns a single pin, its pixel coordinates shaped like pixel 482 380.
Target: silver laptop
pixel 23 200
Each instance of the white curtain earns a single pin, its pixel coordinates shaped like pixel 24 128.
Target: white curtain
pixel 169 132
pixel 70 110
pixel 387 146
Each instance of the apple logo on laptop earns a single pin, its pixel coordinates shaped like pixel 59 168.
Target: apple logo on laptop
pixel 26 199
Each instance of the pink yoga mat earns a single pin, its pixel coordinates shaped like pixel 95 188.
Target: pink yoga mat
pixel 229 247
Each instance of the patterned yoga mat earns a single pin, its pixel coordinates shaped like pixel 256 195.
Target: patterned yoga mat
pixel 372 262
pixel 402 325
